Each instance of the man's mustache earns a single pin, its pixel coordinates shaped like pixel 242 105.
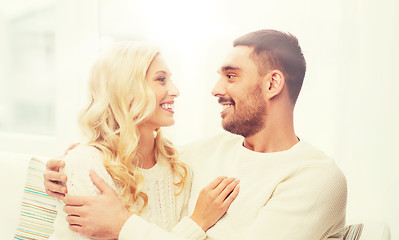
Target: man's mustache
pixel 226 100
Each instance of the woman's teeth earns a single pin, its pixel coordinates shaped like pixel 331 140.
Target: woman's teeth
pixel 167 106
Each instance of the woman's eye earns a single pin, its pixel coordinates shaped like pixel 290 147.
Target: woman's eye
pixel 161 79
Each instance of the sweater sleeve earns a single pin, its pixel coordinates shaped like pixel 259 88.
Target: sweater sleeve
pixel 136 228
pixel 309 205
pixel 78 164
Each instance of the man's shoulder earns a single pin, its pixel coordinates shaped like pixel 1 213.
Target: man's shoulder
pixel 308 152
pixel 315 161
pixel 306 157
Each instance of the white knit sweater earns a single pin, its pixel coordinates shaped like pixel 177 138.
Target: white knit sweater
pixel 298 194
pixel 164 209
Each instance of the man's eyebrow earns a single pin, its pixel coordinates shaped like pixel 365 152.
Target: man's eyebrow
pixel 228 68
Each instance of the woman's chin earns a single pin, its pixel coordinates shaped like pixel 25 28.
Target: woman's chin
pixel 166 123
pixel 169 123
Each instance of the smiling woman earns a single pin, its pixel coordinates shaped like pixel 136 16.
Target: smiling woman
pixel 128 86
pixel 164 90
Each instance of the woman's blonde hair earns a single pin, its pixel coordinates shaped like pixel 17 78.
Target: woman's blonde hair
pixel 120 101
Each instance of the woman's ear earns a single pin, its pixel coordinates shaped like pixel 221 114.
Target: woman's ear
pixel 275 83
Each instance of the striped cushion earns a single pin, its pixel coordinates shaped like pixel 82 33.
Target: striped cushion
pixel 37 208
pixel 353 232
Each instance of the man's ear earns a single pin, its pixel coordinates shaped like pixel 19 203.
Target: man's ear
pixel 275 83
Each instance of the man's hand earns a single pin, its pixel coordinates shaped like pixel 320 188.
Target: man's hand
pixel 99 217
pixel 214 200
pixel 53 179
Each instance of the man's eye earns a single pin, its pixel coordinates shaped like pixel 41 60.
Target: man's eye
pixel 230 76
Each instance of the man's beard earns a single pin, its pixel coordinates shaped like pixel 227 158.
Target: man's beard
pixel 248 119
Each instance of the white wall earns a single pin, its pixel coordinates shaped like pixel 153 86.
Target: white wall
pixel 349 102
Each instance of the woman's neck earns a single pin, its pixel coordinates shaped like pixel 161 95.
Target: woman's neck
pixel 146 148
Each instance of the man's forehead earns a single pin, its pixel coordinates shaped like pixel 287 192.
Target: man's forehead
pixel 235 58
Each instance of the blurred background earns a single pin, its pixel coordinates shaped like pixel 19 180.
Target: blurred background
pixel 348 107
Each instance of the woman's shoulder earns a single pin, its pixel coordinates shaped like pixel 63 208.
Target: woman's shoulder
pixel 83 155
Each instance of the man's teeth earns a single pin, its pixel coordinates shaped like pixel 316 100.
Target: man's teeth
pixel 225 106
pixel 167 106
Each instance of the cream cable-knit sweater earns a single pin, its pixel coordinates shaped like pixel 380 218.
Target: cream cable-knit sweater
pixel 164 209
pixel 298 194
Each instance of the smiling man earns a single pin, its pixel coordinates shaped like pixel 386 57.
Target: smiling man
pixel 288 189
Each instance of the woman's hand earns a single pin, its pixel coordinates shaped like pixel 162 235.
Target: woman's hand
pixel 214 200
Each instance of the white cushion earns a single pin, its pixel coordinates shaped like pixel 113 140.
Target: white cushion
pixel 368 230
pixel 376 230
pixel 13 169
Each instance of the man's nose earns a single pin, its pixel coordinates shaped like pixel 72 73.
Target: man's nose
pixel 219 89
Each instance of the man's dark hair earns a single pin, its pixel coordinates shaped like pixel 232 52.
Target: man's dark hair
pixel 275 50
